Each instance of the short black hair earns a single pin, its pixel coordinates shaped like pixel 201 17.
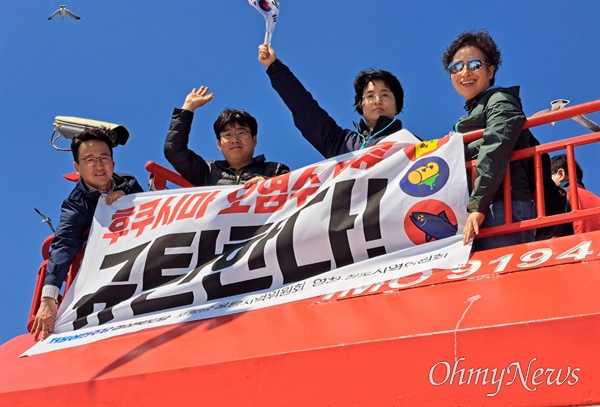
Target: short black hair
pixel 101 134
pixel 559 162
pixel 238 116
pixel 480 39
pixel 364 77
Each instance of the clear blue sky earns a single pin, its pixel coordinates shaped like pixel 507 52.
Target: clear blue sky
pixel 131 62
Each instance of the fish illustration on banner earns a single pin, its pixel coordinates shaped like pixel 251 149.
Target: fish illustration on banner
pixel 434 226
pixel 269 10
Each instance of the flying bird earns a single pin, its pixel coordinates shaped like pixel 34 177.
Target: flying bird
pixel 45 219
pixel 62 12
pixel 559 104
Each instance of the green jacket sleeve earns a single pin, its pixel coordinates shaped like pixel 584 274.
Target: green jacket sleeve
pixel 504 122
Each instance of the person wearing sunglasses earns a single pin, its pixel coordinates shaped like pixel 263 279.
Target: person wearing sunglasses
pixel 379 97
pixel 236 132
pixel 472 60
pixel 93 160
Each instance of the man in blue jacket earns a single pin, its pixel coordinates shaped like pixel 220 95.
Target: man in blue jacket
pixel 93 160
pixel 379 97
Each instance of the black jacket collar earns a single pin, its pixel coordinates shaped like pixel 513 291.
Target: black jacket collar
pixel 224 164
pixel 382 123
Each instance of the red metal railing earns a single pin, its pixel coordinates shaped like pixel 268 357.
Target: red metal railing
pixel 161 175
pixel 536 152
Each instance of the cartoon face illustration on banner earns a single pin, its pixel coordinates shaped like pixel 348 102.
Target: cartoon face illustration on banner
pixel 427 176
pixel 424 148
pixel 430 220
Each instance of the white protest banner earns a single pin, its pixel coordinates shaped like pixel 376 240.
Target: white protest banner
pixel 181 255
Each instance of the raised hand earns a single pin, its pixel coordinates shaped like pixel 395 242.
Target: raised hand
pixel 197 98
pixel 266 55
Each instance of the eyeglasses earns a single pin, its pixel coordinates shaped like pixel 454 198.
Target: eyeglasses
pixel 382 97
pixel 91 161
pixel 240 135
pixel 474 65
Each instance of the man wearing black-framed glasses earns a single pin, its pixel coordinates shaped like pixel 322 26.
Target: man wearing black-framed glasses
pixel 93 161
pixel 236 132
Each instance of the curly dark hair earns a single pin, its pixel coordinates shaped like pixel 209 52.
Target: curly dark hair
pixel 101 134
pixel 480 39
pixel 559 162
pixel 364 77
pixel 241 117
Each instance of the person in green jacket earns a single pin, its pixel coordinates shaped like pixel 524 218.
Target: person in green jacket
pixel 472 61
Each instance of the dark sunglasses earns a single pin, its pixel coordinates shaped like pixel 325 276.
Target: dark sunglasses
pixel 473 64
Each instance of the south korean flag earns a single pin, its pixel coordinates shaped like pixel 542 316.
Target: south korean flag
pixel 270 10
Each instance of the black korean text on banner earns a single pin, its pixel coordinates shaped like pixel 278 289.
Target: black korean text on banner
pixel 272 195
pixel 253 241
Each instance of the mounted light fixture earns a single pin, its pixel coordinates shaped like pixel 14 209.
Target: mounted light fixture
pixel 69 127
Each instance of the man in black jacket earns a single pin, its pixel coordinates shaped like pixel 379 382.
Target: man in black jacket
pixel 379 97
pixel 93 161
pixel 236 132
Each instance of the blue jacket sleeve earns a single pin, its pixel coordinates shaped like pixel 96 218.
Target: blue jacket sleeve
pixel 132 186
pixel 314 123
pixel 505 121
pixel 68 239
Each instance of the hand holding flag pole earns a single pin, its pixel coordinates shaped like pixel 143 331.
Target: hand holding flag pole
pixel 269 9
